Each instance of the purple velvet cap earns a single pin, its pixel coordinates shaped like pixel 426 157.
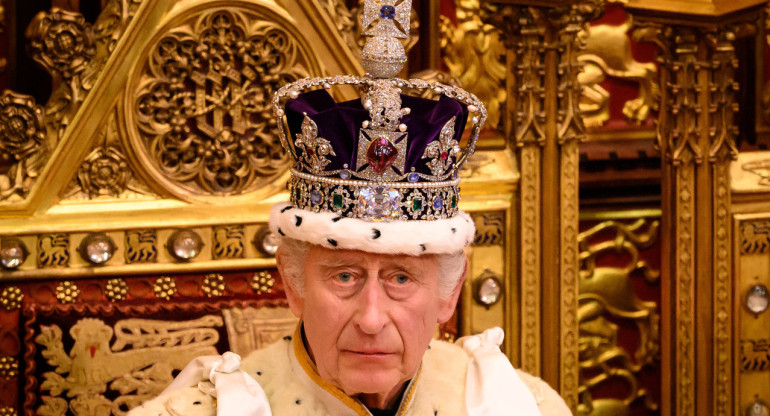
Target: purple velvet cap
pixel 340 124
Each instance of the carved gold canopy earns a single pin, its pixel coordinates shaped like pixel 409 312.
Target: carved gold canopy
pixel 159 121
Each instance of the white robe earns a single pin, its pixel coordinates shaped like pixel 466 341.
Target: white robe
pixel 452 381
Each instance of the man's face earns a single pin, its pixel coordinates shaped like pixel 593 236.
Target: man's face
pixel 369 318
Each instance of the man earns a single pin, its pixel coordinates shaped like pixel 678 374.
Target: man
pixel 372 259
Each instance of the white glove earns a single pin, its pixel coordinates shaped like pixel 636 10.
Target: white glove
pixel 237 393
pixel 492 387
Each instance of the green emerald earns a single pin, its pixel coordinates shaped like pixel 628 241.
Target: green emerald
pixel 454 201
pixel 337 200
pixel 417 204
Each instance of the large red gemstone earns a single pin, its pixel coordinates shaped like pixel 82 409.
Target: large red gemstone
pixel 381 154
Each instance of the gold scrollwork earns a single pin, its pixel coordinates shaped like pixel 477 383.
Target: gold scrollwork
pixel 53 250
pixel 607 296
pixel 262 282
pixel 22 142
pixel 755 355
pixel 137 366
pixel 490 228
pixel 608 53
pixel 471 51
pixel 213 285
pixel 141 246
pixel 11 298
pixel 755 237
pixel 203 120
pixel 9 368
pixel 229 242
pixel 67 292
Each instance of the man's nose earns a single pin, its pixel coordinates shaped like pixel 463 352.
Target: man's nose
pixel 372 308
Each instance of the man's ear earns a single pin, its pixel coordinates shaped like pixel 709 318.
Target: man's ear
pixel 448 306
pixel 296 302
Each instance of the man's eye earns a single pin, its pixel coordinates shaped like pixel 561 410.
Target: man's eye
pixel 402 279
pixel 344 277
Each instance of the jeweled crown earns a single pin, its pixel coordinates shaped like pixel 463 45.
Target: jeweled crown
pixel 387 156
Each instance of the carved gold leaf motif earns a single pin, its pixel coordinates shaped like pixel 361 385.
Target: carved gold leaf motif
pixel 471 51
pixel 607 53
pixel 22 143
pixel 203 119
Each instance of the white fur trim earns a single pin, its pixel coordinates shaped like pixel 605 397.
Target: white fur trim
pixel 413 238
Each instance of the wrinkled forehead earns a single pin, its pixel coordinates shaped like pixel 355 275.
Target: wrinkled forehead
pixel 319 256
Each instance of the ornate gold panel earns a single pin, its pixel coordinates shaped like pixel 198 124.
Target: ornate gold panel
pixel 197 109
pixel 608 297
pixel 752 362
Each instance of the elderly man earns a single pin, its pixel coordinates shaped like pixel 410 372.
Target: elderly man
pixel 372 259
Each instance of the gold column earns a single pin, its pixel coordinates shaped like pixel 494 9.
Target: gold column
pixel 696 135
pixel 544 127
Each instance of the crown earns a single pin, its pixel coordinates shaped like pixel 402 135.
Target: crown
pixel 384 157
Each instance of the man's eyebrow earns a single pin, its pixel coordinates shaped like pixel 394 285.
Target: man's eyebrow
pixel 330 263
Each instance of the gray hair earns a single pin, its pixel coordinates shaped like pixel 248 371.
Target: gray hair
pixel 292 256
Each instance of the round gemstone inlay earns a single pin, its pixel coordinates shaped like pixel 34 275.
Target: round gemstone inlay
pixel 379 203
pixel 12 253
pixel 345 174
pixel 380 154
pixel 438 203
pixel 758 298
pixel 315 197
pixel 413 177
pixel 387 12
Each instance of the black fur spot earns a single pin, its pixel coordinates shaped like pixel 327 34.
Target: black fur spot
pixel 197 403
pixel 422 246
pixel 377 233
pixel 298 401
pixel 259 373
pixel 287 338
pixel 454 230
pixel 335 219
pixel 332 242
pixel 298 220
pixel 286 209
pixel 435 412
pixel 281 232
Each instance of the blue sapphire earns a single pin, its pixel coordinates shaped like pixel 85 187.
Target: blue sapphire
pixel 345 174
pixel 387 12
pixel 438 203
pixel 315 197
pixel 413 177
